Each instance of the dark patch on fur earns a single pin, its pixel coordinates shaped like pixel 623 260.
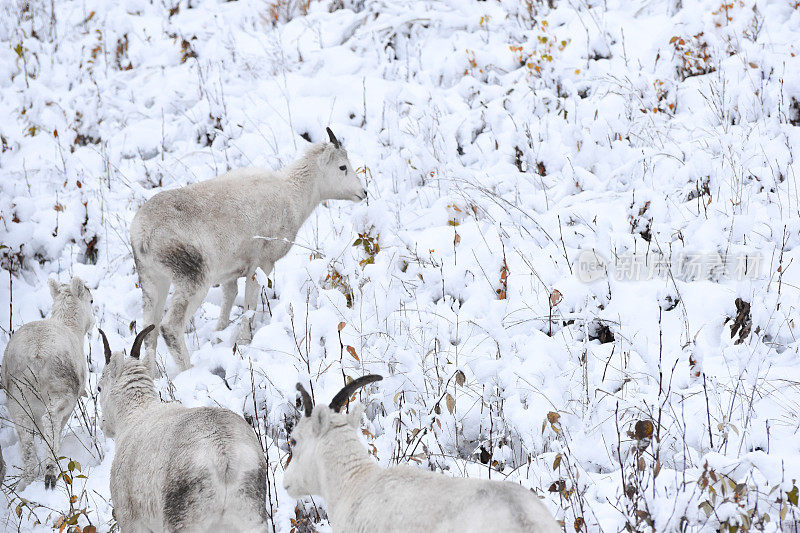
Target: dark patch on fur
pixel 181 494
pixel 169 338
pixel 66 374
pixel 254 487
pixel 185 262
pixel 190 486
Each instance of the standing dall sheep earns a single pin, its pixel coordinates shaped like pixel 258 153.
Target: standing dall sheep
pixel 177 468
pixel 44 372
pixel 328 459
pixel 222 229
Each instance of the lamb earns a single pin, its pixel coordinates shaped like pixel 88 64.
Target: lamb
pixel 329 460
pixel 176 468
pixel 222 229
pixel 44 372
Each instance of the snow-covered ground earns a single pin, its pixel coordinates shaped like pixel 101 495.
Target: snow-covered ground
pixel 566 201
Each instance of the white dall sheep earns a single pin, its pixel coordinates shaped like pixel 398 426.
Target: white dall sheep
pixel 329 460
pixel 219 230
pixel 44 372
pixel 177 468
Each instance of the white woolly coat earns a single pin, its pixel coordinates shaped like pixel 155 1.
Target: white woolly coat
pixel 44 373
pixel 177 468
pixel 330 460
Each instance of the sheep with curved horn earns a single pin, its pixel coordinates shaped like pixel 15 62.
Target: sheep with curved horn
pixel 44 373
pixel 219 230
pixel 177 468
pixel 329 460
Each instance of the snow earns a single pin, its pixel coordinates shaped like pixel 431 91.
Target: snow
pixel 499 140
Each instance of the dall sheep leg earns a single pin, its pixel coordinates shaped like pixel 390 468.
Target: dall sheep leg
pixel 154 298
pixel 53 422
pixel 22 419
pixel 251 292
pixel 185 301
pixel 229 290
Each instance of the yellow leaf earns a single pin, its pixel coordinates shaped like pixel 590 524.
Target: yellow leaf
pixel 793 495
pixel 557 462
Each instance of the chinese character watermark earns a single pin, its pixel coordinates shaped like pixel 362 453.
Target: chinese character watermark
pixel 690 266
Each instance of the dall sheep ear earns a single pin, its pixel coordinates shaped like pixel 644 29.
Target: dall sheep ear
pixel 77 287
pixel 55 287
pixel 118 360
pixel 355 414
pixel 320 419
pixel 327 156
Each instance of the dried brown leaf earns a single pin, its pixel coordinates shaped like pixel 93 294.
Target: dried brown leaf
pixel 643 429
pixel 352 351
pixel 451 402
pixel 555 297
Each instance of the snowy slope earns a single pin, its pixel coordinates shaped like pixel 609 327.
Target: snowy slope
pixel 502 142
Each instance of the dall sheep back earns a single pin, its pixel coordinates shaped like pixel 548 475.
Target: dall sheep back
pixel 177 468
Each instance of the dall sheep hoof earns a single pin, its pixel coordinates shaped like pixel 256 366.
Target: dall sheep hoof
pixel 49 481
